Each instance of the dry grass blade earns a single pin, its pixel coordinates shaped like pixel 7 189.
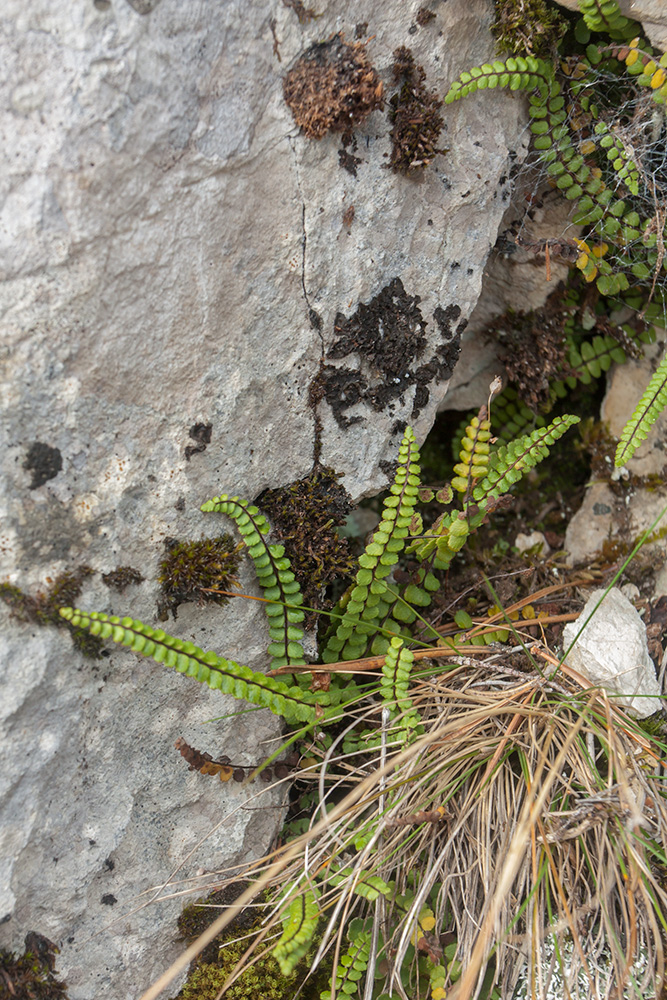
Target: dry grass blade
pixel 528 817
pixel 519 843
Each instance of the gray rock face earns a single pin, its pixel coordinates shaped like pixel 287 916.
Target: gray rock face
pixel 189 305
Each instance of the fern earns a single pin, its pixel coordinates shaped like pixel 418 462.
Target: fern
pixel 394 689
pixel 370 600
pixel 353 963
pixel 299 927
pixel 292 703
pixel 647 411
pixel 275 577
pixel 511 462
pixel 605 15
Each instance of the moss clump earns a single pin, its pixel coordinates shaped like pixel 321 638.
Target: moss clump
pixel 31 976
pixel 215 964
pixel 332 87
pixel 42 608
pixel 527 27
pixel 415 116
pixel 304 516
pixel 192 569
pixel 262 980
pixel 121 577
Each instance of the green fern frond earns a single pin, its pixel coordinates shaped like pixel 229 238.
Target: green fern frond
pixel 517 73
pixel 275 577
pixel 592 358
pixel 299 929
pixel 605 16
pixel 474 455
pixel 647 411
pixel 511 462
pixel 292 703
pixel 510 416
pixel 369 600
pixel 353 963
pixel 394 688
pixel 619 157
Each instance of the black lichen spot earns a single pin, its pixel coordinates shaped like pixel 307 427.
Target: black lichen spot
pixel 341 388
pixel 42 609
pixel 109 865
pixel 347 160
pixel 332 87
pixel 201 433
pixel 31 975
pixel 387 332
pixel 361 29
pixel 388 335
pixel 414 115
pixel 192 569
pixel 424 16
pixel 108 899
pixel 120 577
pixel 44 462
pixel 304 516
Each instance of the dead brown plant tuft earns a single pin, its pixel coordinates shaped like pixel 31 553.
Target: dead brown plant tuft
pixel 332 87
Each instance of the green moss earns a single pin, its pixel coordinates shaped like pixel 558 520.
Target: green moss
pixel 42 608
pixel 262 980
pixel 531 27
pixel 31 976
pixel 192 569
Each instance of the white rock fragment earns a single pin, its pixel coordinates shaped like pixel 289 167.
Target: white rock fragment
pixel 535 540
pixel 612 652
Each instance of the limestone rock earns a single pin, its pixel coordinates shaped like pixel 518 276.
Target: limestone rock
pixel 196 298
pixel 612 652
pixel 634 507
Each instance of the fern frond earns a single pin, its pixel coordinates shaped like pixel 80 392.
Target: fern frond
pixel 510 416
pixel 394 688
pixel 593 357
pixel 292 703
pixel 641 64
pixel 605 15
pixel 517 73
pixel 353 963
pixel 647 411
pixel 511 462
pixel 275 577
pixel 619 157
pixel 299 928
pixel 474 455
pixel 370 600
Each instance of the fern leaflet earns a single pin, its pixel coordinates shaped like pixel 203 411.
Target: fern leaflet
pixel 647 411
pixel 275 577
pixel 292 703
pixel 511 462
pixel 299 927
pixel 370 601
